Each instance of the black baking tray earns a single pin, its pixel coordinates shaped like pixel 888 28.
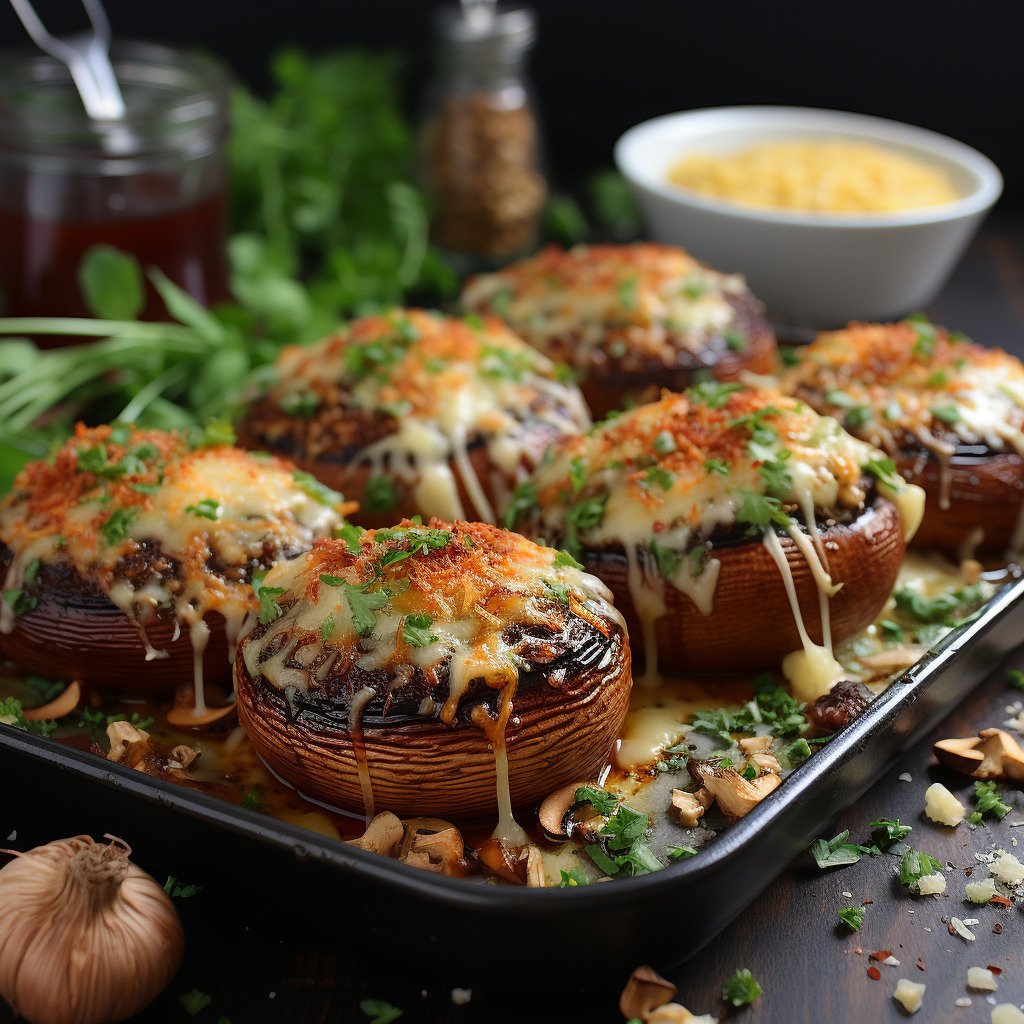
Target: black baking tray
pixel 663 917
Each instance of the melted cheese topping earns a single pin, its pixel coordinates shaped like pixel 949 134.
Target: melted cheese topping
pixel 648 299
pixel 661 480
pixel 438 599
pixel 447 383
pixel 109 496
pixel 914 379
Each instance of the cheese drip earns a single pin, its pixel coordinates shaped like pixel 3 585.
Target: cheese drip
pixel 450 386
pixel 469 611
pixel 196 506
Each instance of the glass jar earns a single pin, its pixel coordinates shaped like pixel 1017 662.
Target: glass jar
pixel 153 184
pixel 480 140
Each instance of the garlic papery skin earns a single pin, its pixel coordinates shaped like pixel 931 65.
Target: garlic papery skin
pixel 86 936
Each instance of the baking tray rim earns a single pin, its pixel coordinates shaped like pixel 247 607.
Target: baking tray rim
pixel 455 893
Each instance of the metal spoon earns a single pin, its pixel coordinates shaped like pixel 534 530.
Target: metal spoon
pixel 87 56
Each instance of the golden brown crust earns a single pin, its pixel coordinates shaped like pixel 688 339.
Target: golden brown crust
pixel 629 319
pixel 511 645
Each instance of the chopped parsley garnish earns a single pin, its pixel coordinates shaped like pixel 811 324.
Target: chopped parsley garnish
pixel 564 560
pixel 416 540
pixel 253 800
pixel 577 474
pixel 772 706
pixel 603 802
pixel 914 865
pixel 797 752
pixel 208 508
pixel 19 599
pixel 327 629
pixel 656 476
pixel 380 494
pixel 668 560
pixel 524 499
pixel 267 597
pixel 988 801
pixel 852 917
pixel 216 432
pixel 331 581
pixel 351 535
pixel 626 290
pixel 303 404
pixel 195 1001
pixel 363 606
pixel 946 609
pixel 718 466
pixel 316 490
pixel 572 878
pixel 948 414
pixel 501 299
pixel 758 511
pixel 885 472
pixel 558 590
pixel 885 832
pixel 379 1011
pixel 373 357
pixel 1015 678
pixel 741 989
pixel 775 474
pixel 834 853
pixel 416 629
pixel 938 379
pixel 680 852
pixel 736 341
pixel 712 393
pixel 180 890
pixel 664 443
pixel 857 416
pixel 927 335
pixel 622 844
pixel 94 460
pixel 505 363
pixel 12 713
pixel 693 288
pixel 584 515
pixel 118 525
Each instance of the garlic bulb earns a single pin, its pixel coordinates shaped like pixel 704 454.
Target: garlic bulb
pixel 86 937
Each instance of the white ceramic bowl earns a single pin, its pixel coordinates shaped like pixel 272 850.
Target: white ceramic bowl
pixel 811 270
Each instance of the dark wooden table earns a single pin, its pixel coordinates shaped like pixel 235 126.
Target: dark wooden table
pixel 256 966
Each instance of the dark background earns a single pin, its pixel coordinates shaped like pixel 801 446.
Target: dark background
pixel 600 66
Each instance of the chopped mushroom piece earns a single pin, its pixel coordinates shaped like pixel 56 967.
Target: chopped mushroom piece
pixel 754 744
pixel 555 813
pixel 433 845
pixel 992 754
pixel 766 762
pixel 737 796
pixel 535 878
pixel 128 744
pixel 690 807
pixel 645 991
pixel 382 835
pixel 183 756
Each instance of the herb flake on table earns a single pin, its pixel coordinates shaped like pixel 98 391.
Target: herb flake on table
pixel 741 989
pixel 379 1012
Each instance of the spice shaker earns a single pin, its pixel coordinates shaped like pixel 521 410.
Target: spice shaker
pixel 480 140
pixel 153 184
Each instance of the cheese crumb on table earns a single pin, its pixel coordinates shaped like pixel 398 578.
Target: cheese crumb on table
pixel 981 980
pixel 941 806
pixel 981 892
pixel 909 994
pixel 1007 1013
pixel 932 885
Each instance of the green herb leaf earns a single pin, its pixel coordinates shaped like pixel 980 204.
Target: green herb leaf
pixel 363 606
pixel 118 525
pixel 948 414
pixel 852 917
pixel 760 510
pixel 316 490
pixel 380 1012
pixel 741 989
pixel 327 628
pixel 988 801
pixel 524 500
pixel 656 476
pixel 180 890
pixel 267 597
pixel 563 559
pixel 914 865
pixel 584 515
pixel 712 393
pixel 833 853
pixel 885 832
pixel 351 535
pixel 208 508
pixel 111 283
pixel 380 494
pixel 945 608
pixel 195 1001
pixel 603 802
pixel 736 341
pixel 680 852
pixel 572 878
pixel 416 630
pixel 664 443
pixel 1015 678
pixel 717 466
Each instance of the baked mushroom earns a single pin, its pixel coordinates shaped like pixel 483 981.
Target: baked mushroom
pixel 128 558
pixel 415 413
pixel 733 526
pixel 456 670
pixel 947 411
pixel 629 319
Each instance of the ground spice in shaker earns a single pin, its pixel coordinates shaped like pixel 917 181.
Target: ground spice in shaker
pixel 480 140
